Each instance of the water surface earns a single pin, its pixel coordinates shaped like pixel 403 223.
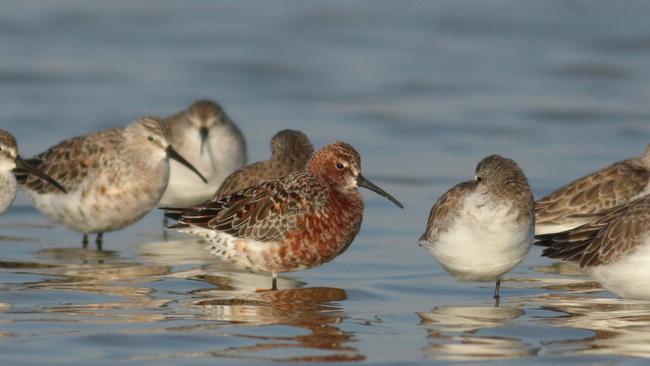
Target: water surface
pixel 423 90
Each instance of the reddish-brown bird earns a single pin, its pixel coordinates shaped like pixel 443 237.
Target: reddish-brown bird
pixel 300 221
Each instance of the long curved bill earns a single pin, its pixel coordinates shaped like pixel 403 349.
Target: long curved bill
pixel 173 154
pixel 22 164
pixel 365 183
pixel 204 132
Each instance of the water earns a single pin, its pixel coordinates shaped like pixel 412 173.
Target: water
pixel 422 89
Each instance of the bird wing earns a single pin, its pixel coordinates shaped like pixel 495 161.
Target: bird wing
pixel 442 210
pixel 265 212
pixel 606 188
pixel 68 162
pixel 245 177
pixel 618 232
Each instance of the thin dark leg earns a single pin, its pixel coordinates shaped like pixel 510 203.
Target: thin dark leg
pixel 274 285
pixel 165 223
pixel 99 241
pixel 84 241
pixel 497 288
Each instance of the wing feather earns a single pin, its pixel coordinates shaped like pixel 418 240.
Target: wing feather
pixel 265 212
pixel 606 188
pixel 69 162
pixel 617 233
pixel 442 211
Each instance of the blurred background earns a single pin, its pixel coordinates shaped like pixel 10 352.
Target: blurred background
pixel 423 89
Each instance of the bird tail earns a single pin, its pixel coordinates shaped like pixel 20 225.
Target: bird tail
pixel 570 245
pixel 423 242
pixel 176 214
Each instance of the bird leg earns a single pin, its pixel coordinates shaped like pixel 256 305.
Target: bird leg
pixel 274 283
pixel 165 223
pixel 98 241
pixel 84 241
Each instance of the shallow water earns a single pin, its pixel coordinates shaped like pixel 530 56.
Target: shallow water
pixel 422 89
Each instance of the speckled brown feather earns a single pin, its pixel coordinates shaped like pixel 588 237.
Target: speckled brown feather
pixel 506 180
pixel 70 161
pixel 8 139
pixel 443 210
pixel 617 233
pixel 265 212
pixel 290 151
pixel 606 188
pixel 204 109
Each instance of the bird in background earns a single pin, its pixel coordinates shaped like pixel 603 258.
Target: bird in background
pixel 290 151
pixel 300 221
pixel 112 177
pixel 205 135
pixel 573 204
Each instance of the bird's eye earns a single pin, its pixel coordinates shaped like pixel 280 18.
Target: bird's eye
pixel 150 138
pixel 479 179
pixel 339 166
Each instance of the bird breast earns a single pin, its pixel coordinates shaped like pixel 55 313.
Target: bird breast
pixel 322 235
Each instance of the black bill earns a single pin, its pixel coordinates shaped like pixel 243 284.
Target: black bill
pixel 363 182
pixel 204 132
pixel 172 154
pixel 23 165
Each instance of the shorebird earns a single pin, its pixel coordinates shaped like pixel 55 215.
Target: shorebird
pixel 113 177
pixel 572 205
pixel 481 229
pixel 300 221
pixel 211 142
pixel 614 247
pixel 290 151
pixel 10 160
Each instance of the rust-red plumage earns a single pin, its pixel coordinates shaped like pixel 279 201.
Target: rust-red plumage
pixel 300 221
pixel 322 237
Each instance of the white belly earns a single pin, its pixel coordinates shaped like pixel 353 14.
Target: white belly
pixel 247 254
pixel 186 189
pixel 483 243
pixel 8 188
pixel 98 206
pixel 627 278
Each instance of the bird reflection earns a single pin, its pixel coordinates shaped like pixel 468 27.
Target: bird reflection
pixel 314 309
pixel 561 268
pixel 76 255
pixel 176 252
pixel 620 327
pixel 453 334
pixel 116 283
